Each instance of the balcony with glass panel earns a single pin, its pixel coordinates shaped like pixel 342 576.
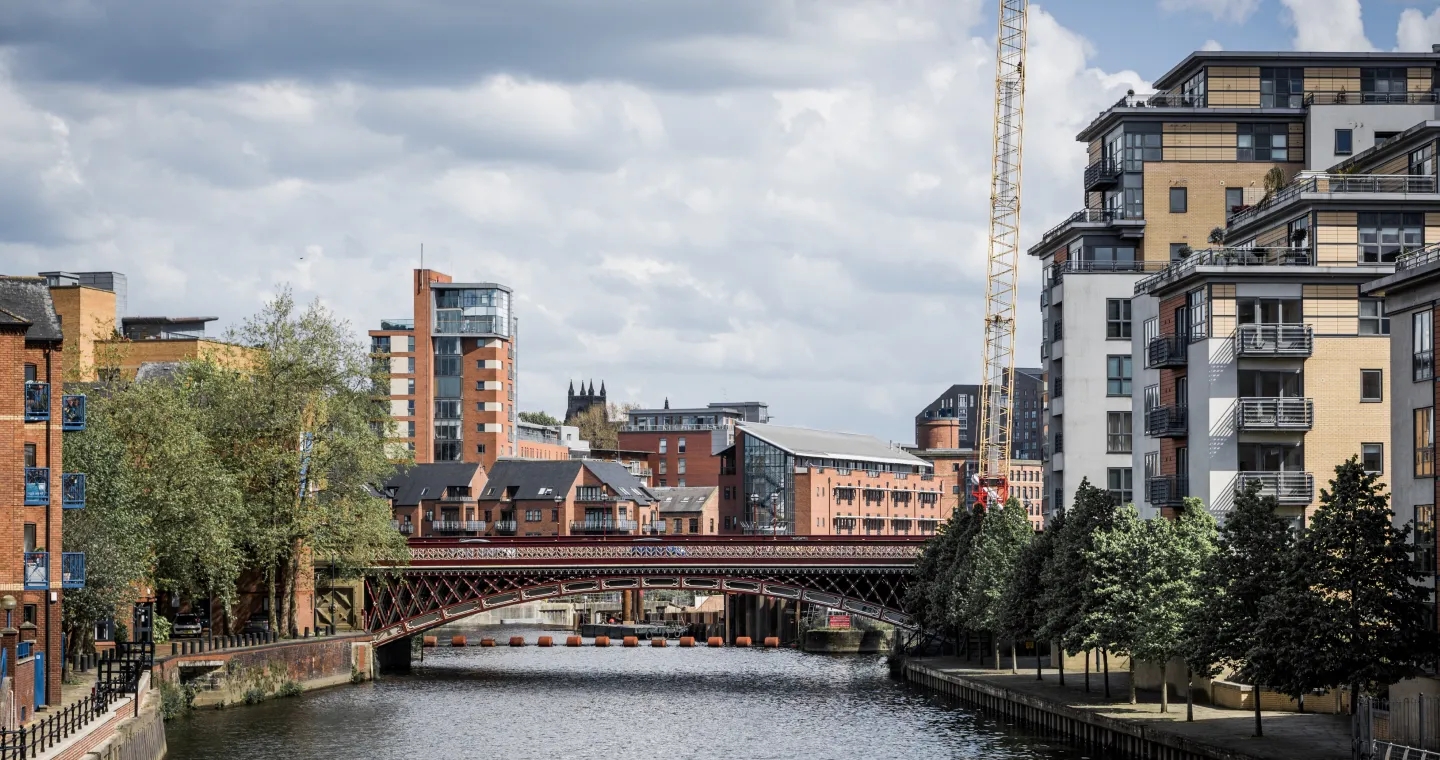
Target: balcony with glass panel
pixel 603 526
pixel 506 527
pixel 72 570
pixel 37 571
pixel 72 490
pixel 37 486
pixel 471 310
pixel 457 526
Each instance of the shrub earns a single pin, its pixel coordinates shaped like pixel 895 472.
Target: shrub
pixel 289 689
pixel 255 695
pixel 176 700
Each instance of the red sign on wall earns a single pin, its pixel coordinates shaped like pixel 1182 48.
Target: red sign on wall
pixel 839 621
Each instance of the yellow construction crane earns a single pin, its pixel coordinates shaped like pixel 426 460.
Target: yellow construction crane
pixel 992 480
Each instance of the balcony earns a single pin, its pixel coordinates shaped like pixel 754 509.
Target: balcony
pixel 1167 352
pixel 72 412
pixel 72 570
pixel 1098 219
pixel 1274 340
pixel 454 526
pixel 1344 97
pixel 1170 421
pixel 397 324
pixel 505 527
pixel 1267 414
pixel 491 325
pixel 1102 175
pixel 656 528
pixel 674 428
pixel 404 527
pixel 1337 184
pixel 603 526
pixel 1167 490
pixel 1289 487
pixel 1225 257
pixel 37 486
pixel 37 571
pixel 37 402
pixel 72 490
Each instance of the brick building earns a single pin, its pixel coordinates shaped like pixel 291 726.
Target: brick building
pixel 526 497
pixel 547 441
pixel 683 445
pixel 452 371
pixel 778 480
pixel 36 487
pixel 437 499
pixel 952 420
pixel 686 511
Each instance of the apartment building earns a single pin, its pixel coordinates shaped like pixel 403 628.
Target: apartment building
pixel 437 500
pixel 548 441
pixel 778 480
pixel 452 371
pixel 1165 171
pixel 685 511
pixel 541 498
pixel 34 568
pixel 682 445
pixel 952 420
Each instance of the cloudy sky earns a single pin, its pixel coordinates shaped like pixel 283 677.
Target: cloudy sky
pixel 778 200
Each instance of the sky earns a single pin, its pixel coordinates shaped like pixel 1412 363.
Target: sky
pixel 699 200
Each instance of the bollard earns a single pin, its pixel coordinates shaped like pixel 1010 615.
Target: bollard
pixel 307 633
pixel 742 641
pixel 631 641
pixel 715 641
pixel 456 641
pixel 174 648
pixel 687 641
pixel 487 642
pixel 517 641
pixel 429 641
pixel 573 641
pixel 659 643
pixel 772 642
pixel 602 641
pixel 544 641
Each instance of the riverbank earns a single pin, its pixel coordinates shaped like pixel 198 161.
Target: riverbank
pixel 246 675
pixel 1121 728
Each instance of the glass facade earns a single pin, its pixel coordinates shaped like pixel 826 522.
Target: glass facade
pixel 472 311
pixel 769 487
pixel 448 439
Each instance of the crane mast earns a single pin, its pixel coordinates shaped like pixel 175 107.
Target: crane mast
pixel 993 477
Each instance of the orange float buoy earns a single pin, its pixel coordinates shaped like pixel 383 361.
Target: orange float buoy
pixel 573 641
pixel 772 642
pixel 715 641
pixel 742 641
pixel 687 641
pixel 659 643
pixel 632 641
pixel 457 641
pixel 544 641
pixel 517 641
pixel 429 641
pixel 602 641
pixel 487 642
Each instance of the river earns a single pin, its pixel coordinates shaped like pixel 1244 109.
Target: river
pixel 612 704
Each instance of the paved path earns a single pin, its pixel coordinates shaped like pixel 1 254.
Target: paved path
pixel 1288 736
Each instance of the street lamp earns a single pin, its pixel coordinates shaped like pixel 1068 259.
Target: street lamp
pixel 8 602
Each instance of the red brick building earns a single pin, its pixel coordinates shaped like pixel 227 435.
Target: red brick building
pixel 35 489
pixel 570 498
pixel 686 511
pixel 683 445
pixel 437 499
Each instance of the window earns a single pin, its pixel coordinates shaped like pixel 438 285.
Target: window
pixel 1268 311
pixel 1344 142
pixel 1179 251
pixel 554 515
pixel 1122 487
pixel 680 447
pixel 29 455
pixel 694 525
pixel 1384 236
pixel 1422 355
pixel 1234 198
pixel 1422 162
pixel 1372 456
pixel 1152 397
pixel 1425 442
pixel 1372 317
pixel 31 373
pixel 664 445
pixel 1269 457
pixel 410 389
pixel 680 467
pixel 1262 142
pixel 1178 200
pixel 1117 439
pixel 1199 311
pixel 1117 375
pixel 1117 319
pixel 1372 385
pixel 1282 88
pixel 662 467
pixel 1383 85
pixel 1425 554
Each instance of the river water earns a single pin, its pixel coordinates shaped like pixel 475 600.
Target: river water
pixel 613 704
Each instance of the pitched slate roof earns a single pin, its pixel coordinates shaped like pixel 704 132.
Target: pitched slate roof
pixel 428 481
pixel 543 479
pixel 823 444
pixel 688 499
pixel 26 300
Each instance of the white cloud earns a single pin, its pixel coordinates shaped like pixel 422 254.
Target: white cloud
pixel 802 230
pixel 1212 45
pixel 1327 25
pixel 1417 31
pixel 1223 10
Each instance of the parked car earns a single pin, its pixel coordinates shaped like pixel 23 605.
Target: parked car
pixel 187 625
pixel 258 623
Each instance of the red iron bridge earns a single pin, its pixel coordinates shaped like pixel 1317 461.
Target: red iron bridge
pixel 450 578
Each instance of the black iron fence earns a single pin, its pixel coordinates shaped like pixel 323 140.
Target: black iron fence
pixel 32 740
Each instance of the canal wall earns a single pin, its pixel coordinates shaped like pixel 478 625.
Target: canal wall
pixel 133 730
pixel 236 676
pixel 847 641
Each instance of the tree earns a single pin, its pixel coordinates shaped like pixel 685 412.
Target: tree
pixel 538 418
pixel 1118 559
pixel 1173 589
pixel 1363 588
pixel 1022 614
pixel 1067 578
pixel 595 426
pixel 927 596
pixel 995 554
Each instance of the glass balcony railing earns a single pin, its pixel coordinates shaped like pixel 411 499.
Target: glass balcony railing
pixel 656 528
pixel 507 527
pixel 1288 487
pixel 1225 257
pixel 453 526
pixel 72 490
pixel 1341 184
pixel 72 570
pixel 1274 414
pixel 37 486
pixel 404 527
pixel 397 324
pixel 72 412
pixel 37 402
pixel 602 526
pixel 37 571
pixel 1274 340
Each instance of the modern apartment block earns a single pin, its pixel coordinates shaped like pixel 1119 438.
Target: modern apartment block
pixel 1165 171
pixel 683 445
pixel 452 371
pixel 952 421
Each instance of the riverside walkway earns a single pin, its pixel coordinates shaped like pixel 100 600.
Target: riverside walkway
pixel 1214 732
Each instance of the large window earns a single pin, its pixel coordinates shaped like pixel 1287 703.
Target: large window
pixel 1424 442
pixel 1118 373
pixel 1422 162
pixel 1384 236
pixel 1255 383
pixel 1282 88
pixel 1372 317
pixel 1117 439
pixel 1199 310
pixel 1422 341
pixel 1179 200
pixel 769 487
pixel 1117 318
pixel 1425 554
pixel 1270 457
pixel 1262 142
pixel 1268 311
pixel 1122 485
pixel 1383 85
pixel 1141 147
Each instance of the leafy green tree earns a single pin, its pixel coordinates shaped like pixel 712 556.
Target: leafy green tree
pixel 1067 578
pixel 538 418
pixel 949 594
pixel 1364 589
pixel 1022 613
pixel 932 571
pixel 996 552
pixel 1172 583
pixel 1117 560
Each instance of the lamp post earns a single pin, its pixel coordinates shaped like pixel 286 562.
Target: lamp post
pixel 754 510
pixel 8 602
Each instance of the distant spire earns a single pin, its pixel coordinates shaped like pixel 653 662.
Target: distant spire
pixel 591 392
pixel 667 402
pixel 602 389
pixel 572 387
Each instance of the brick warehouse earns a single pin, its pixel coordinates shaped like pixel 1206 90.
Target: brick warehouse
pixel 33 480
